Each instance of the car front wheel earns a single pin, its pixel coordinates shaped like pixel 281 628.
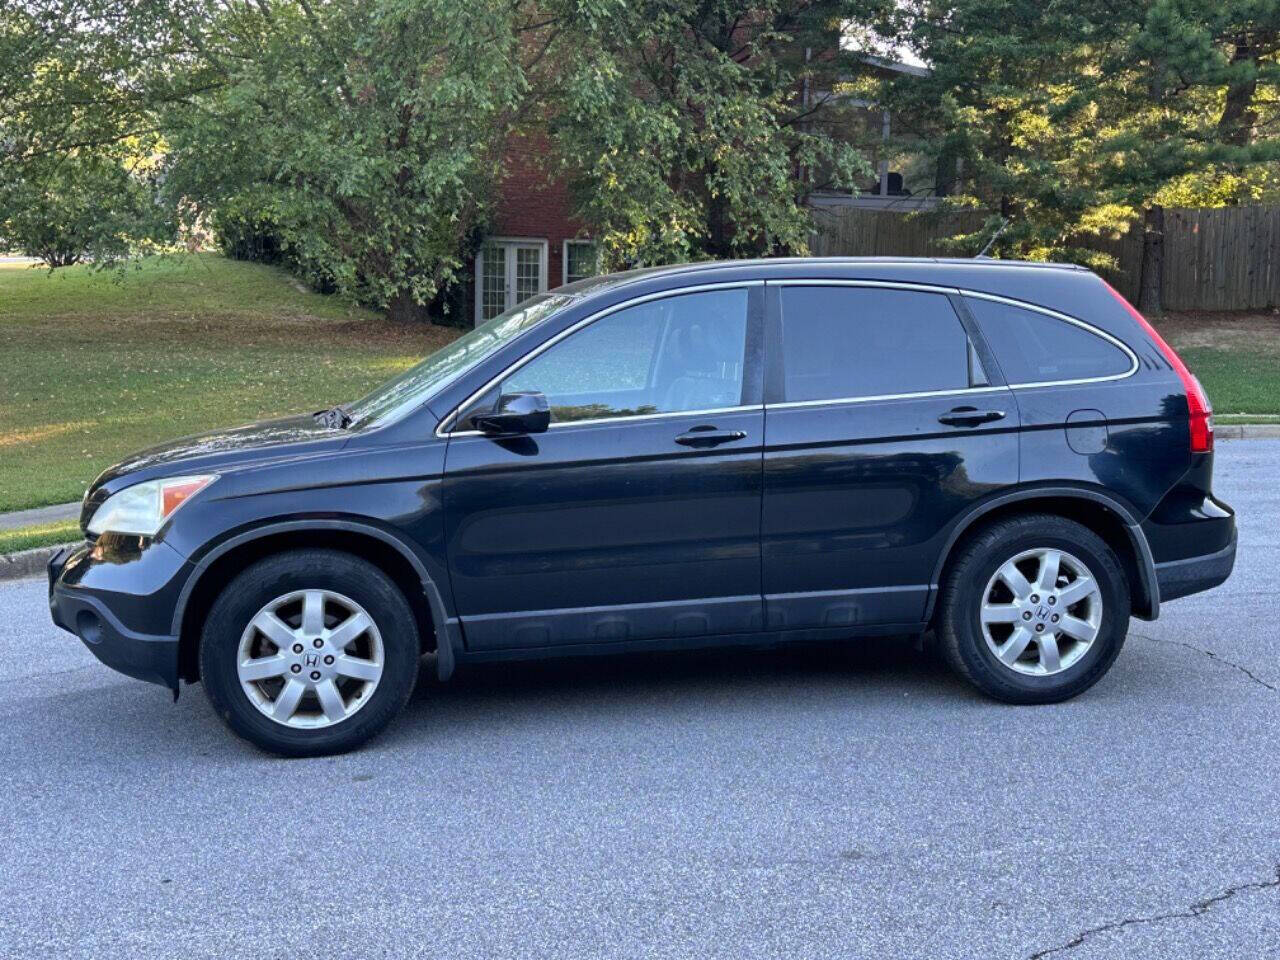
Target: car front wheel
pixel 310 652
pixel 1035 609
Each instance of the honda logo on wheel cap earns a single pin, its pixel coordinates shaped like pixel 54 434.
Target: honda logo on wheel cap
pixel 312 659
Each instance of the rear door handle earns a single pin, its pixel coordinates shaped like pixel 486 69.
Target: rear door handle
pixel 709 437
pixel 969 417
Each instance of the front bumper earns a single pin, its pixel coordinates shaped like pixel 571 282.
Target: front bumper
pixel 81 603
pixel 1181 578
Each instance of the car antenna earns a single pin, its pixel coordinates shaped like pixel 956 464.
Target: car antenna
pixel 982 254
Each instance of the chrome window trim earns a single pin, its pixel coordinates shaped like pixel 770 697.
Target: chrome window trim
pixel 963 392
pixel 442 430
pixel 629 418
pixel 977 294
pixel 1134 364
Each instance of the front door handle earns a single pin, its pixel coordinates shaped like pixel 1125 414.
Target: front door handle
pixel 709 437
pixel 969 417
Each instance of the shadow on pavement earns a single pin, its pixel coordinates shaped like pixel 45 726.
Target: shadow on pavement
pixel 880 665
pixel 130 721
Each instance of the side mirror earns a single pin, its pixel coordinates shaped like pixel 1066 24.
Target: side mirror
pixel 517 413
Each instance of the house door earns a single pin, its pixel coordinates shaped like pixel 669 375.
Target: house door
pixel 508 271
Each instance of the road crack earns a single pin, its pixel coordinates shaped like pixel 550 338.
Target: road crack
pixel 1213 656
pixel 1196 909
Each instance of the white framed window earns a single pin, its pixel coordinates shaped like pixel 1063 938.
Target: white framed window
pixel 581 260
pixel 508 270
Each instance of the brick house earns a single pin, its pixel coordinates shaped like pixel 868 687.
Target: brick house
pixel 536 243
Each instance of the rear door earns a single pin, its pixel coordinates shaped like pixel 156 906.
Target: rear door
pixel 883 424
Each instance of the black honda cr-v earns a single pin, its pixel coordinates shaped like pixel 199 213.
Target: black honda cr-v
pixel 724 453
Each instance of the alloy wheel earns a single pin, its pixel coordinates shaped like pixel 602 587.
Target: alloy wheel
pixel 310 658
pixel 1041 612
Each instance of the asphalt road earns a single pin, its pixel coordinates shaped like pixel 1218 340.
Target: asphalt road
pixel 833 802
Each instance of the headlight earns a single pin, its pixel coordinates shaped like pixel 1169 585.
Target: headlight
pixel 143 508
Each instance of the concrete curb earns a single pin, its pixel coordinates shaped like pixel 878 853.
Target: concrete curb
pixel 1246 431
pixel 27 563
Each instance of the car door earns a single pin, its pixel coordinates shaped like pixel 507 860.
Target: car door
pixel 636 514
pixel 882 426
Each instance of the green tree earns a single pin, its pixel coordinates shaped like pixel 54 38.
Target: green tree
pixel 684 126
pixel 74 182
pixel 92 202
pixel 1073 119
pixel 367 131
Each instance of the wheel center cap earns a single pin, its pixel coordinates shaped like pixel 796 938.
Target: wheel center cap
pixel 1042 613
pixel 311 660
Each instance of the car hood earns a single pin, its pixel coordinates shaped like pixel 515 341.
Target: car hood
pixel 268 440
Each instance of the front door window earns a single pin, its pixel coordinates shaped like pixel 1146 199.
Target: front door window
pixel 508 272
pixel 675 354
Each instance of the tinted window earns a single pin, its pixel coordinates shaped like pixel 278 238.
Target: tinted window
pixel 664 356
pixel 1032 347
pixel 842 342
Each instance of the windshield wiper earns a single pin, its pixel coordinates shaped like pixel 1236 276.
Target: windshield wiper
pixel 335 418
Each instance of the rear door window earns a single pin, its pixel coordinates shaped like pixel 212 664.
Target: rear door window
pixel 854 342
pixel 1033 347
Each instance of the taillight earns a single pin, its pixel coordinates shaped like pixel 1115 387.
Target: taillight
pixel 1200 419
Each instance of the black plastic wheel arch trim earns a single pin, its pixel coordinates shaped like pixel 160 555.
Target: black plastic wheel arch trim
pixel 1149 586
pixel 448 632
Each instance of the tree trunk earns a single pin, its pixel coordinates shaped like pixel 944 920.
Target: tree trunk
pixel 402 308
pixel 1152 261
pixel 1238 119
pixel 56 259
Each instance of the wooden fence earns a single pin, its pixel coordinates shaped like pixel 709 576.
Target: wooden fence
pixel 1225 258
pixel 854 232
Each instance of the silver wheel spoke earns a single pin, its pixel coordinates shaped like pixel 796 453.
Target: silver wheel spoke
pixel 1015 581
pixel 312 613
pixel 1048 578
pixel 287 702
pixel 274 629
pixel 1049 658
pixel 264 668
pixel 1014 647
pixel 358 669
pixel 330 701
pixel 1081 630
pixel 349 629
pixel 1000 613
pixel 1073 593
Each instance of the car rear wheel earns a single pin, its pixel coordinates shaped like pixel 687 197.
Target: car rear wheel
pixel 310 652
pixel 1035 609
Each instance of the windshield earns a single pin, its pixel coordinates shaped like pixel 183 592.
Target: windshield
pixel 398 396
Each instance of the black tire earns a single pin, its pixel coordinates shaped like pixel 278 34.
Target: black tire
pixel 285 573
pixel 960 633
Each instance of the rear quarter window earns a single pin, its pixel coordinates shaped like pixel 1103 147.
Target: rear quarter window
pixel 1033 347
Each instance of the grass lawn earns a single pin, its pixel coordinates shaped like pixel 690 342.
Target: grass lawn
pixel 94 366
pixel 1237 358
pixel 39 535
